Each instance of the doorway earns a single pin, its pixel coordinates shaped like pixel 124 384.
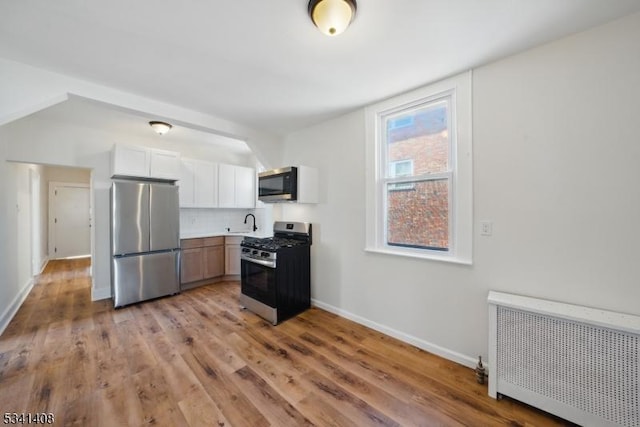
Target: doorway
pixel 69 220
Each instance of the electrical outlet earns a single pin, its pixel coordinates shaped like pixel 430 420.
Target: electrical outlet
pixel 486 228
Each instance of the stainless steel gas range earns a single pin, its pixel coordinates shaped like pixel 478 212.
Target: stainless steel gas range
pixel 276 272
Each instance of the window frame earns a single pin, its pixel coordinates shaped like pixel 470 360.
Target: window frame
pixel 398 186
pixel 459 174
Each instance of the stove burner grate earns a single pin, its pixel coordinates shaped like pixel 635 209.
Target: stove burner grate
pixel 272 243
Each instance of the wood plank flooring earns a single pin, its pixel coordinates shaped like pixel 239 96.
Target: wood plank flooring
pixel 196 359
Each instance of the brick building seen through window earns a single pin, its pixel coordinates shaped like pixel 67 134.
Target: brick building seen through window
pixel 418 210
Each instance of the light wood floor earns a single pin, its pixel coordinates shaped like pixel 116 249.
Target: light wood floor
pixel 196 359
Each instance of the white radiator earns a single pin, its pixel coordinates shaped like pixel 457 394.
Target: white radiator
pixel 579 363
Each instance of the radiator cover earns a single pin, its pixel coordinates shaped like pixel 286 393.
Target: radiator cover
pixel 579 363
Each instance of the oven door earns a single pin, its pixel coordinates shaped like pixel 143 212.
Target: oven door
pixel 258 282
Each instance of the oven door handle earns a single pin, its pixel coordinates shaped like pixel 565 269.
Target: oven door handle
pixel 266 263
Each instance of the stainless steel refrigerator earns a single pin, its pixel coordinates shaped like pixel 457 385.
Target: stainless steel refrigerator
pixel 145 241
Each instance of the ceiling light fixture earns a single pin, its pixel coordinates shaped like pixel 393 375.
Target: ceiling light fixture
pixel 332 17
pixel 160 127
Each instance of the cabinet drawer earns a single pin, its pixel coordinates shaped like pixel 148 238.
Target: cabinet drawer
pixel 192 243
pixel 214 241
pixel 233 240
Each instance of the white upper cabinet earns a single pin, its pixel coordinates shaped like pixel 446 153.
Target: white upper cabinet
pixel 198 184
pixel 226 186
pixel 187 183
pixel 130 161
pixel 206 183
pixel 236 186
pixel 307 184
pixel 245 187
pixel 144 162
pixel 164 164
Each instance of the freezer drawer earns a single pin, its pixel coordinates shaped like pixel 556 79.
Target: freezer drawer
pixel 142 277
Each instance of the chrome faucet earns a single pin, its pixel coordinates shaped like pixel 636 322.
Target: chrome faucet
pixel 254 221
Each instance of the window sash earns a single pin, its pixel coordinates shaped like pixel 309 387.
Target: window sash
pixel 459 88
pixel 383 189
pixel 394 165
pixel 384 177
pixel 385 116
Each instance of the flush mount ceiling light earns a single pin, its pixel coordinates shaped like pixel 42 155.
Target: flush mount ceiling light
pixel 160 127
pixel 332 17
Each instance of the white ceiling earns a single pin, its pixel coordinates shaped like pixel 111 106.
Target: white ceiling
pixel 263 63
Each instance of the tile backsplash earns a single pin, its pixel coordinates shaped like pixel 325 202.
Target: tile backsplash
pixel 218 220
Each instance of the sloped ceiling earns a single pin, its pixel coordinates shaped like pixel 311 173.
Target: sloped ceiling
pixel 263 64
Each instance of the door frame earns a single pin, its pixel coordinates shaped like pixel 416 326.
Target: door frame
pixel 38 261
pixel 52 187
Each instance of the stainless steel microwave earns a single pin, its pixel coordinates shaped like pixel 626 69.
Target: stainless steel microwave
pixel 278 185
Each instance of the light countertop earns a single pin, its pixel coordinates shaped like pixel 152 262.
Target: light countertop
pixel 245 233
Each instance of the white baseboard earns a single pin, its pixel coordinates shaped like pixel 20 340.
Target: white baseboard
pixel 43 264
pixel 12 309
pixel 454 356
pixel 98 294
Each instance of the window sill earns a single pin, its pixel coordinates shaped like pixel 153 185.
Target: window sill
pixel 414 254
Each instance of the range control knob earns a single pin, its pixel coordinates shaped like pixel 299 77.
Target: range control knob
pixel 245 250
pixel 264 254
pixel 254 252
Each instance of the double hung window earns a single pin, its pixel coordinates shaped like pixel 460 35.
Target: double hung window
pixel 419 192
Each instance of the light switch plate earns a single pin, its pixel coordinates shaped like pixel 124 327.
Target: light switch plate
pixel 486 228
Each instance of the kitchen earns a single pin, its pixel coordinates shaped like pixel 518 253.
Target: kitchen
pixel 569 237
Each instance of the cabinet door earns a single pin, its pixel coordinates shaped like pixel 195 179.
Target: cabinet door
pixel 232 260
pixel 245 187
pixel 226 186
pixel 206 184
pixel 213 261
pixel 165 164
pixel 130 161
pixel 192 266
pixel 187 183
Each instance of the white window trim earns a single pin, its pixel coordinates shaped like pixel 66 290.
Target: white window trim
pixel 462 182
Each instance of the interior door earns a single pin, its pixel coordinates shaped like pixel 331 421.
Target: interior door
pixel 71 222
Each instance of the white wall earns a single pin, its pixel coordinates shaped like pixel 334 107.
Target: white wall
pixel 15 240
pixel 556 157
pixel 74 175
pixel 22 230
pixel 38 227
